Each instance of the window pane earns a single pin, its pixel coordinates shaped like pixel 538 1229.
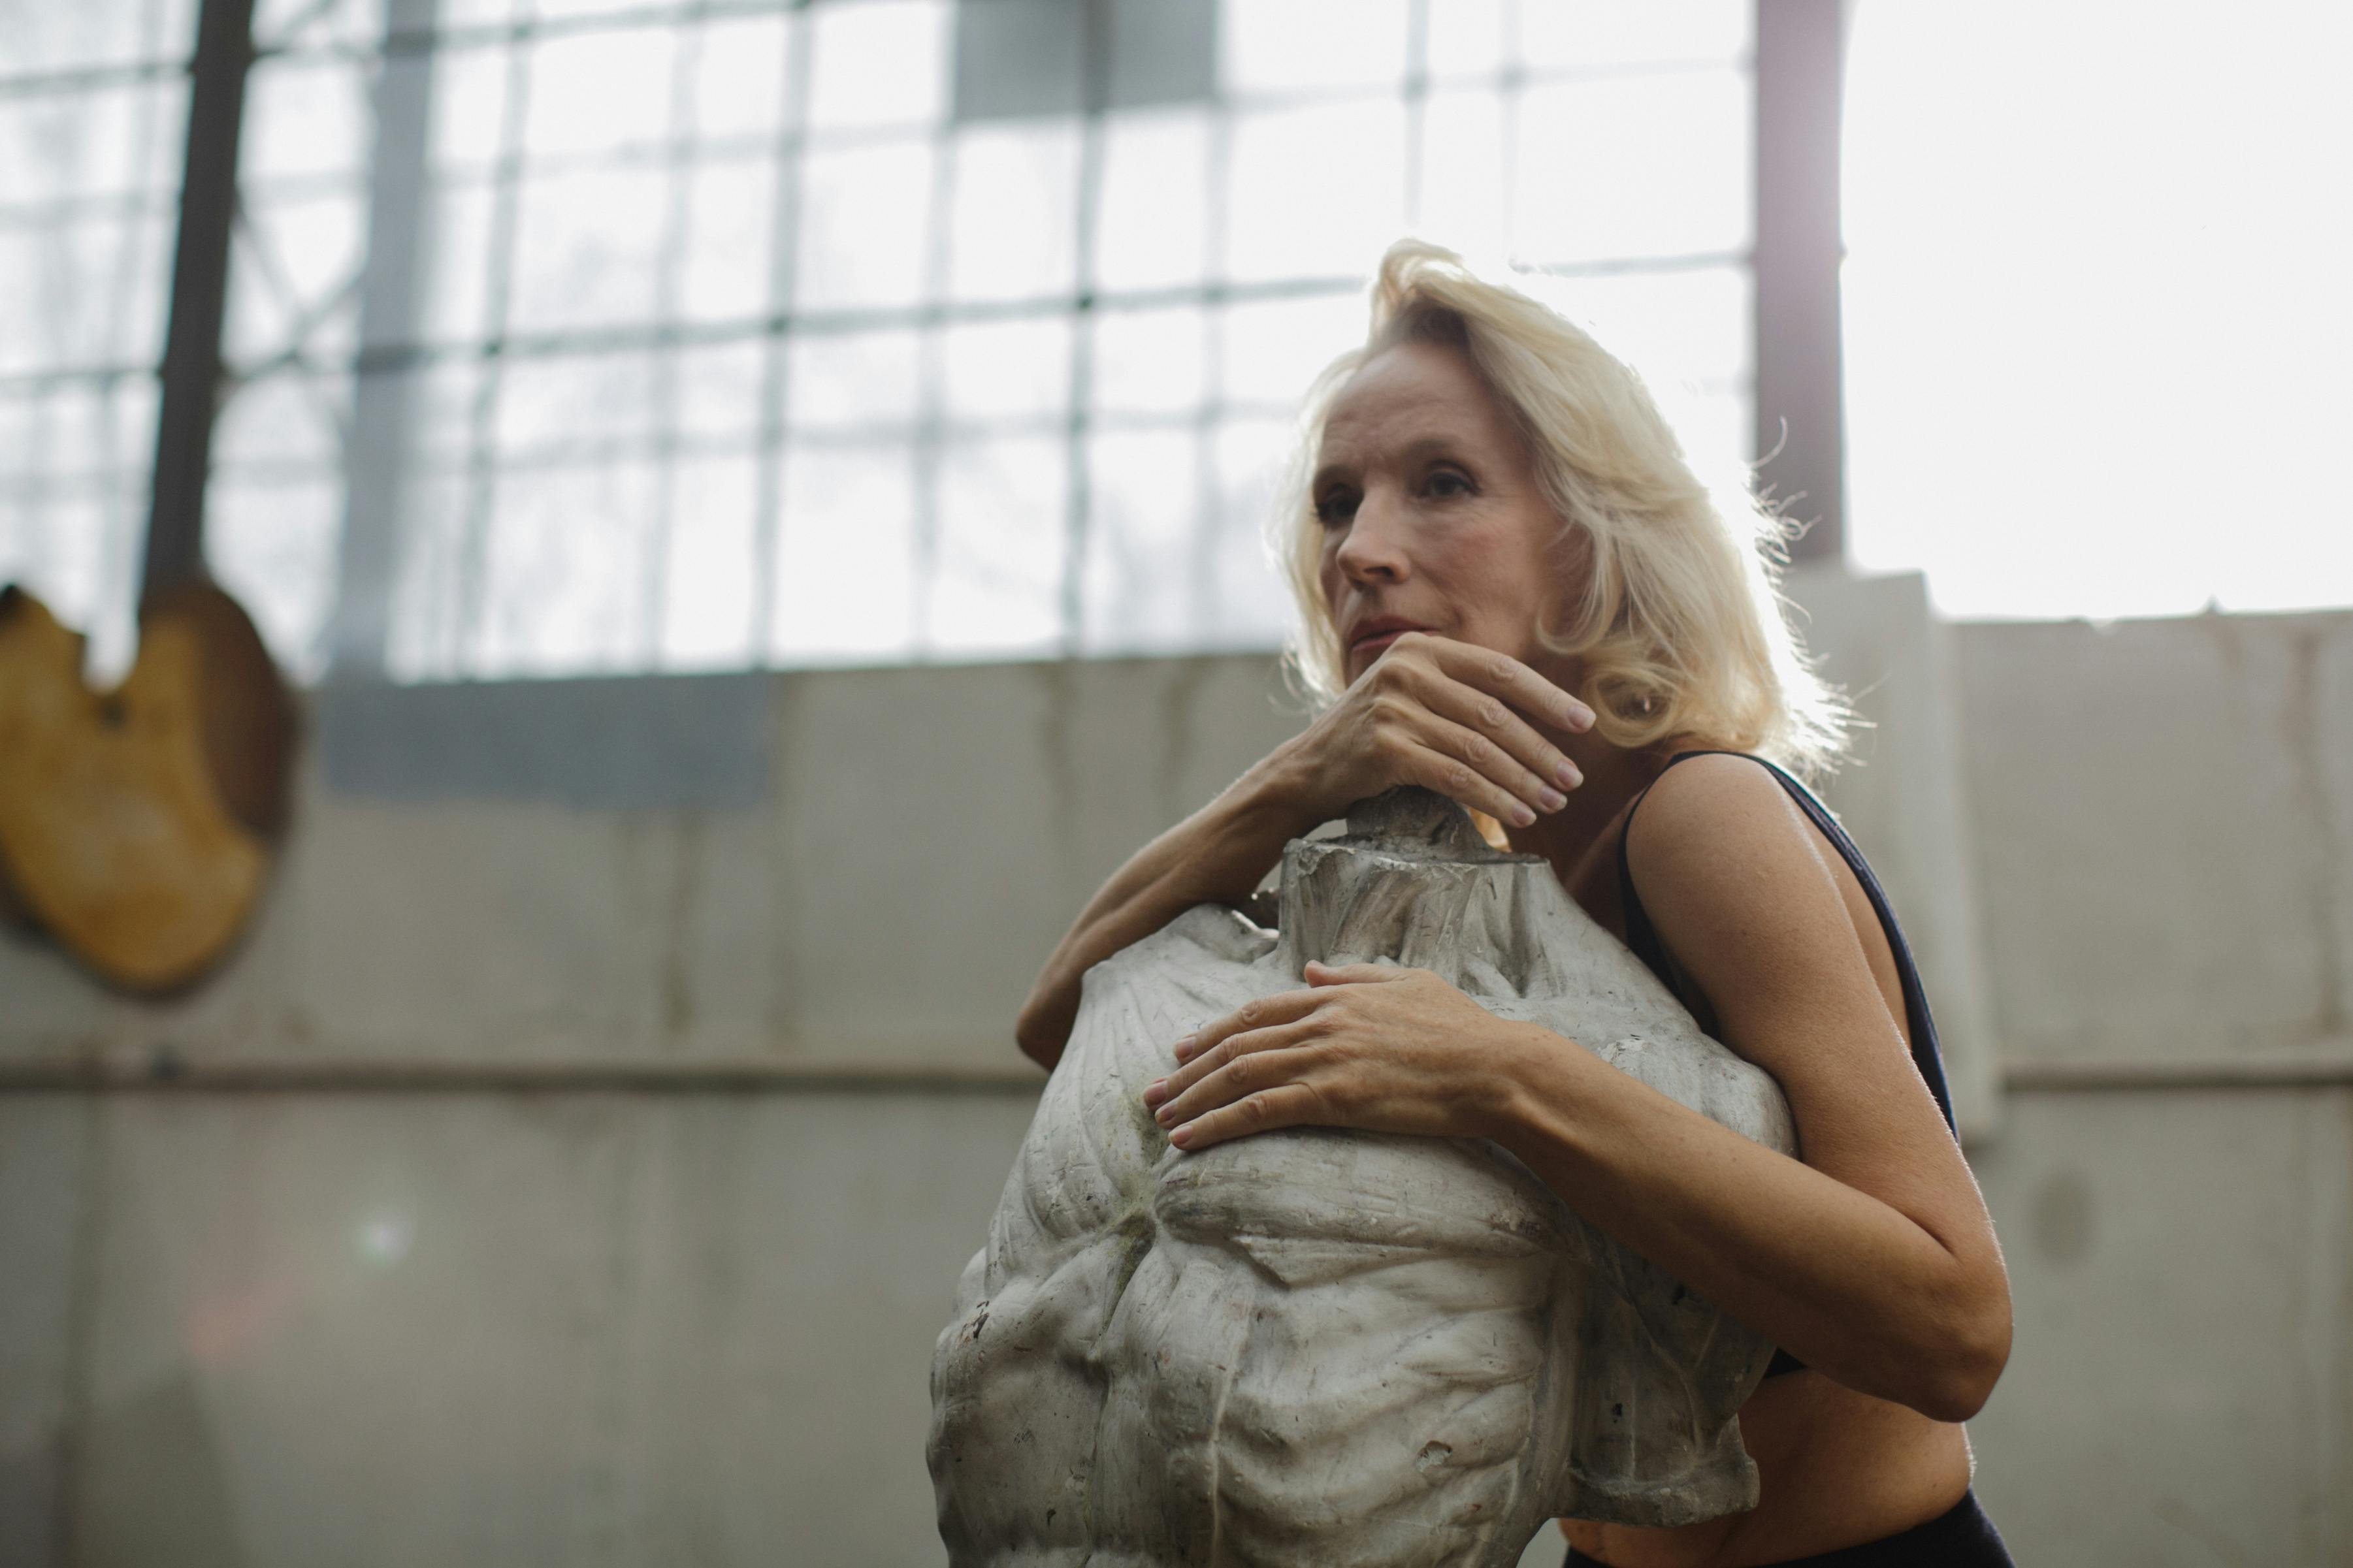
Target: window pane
pixel 1151 230
pixel 741 67
pixel 599 91
pixel 438 408
pixel 293 265
pixel 1633 32
pixel 1675 327
pixel 863 221
pixel 84 295
pixel 1638 166
pixel 43 39
pixel 470 96
pixel 75 545
pixel 454 273
pixel 1150 362
pixel 587 247
pixel 1143 539
pixel 278 24
pixel 718 388
pixel 731 236
pixel 997 586
pixel 1015 229
pixel 1466 37
pixel 1283 46
pixel 287 418
pixel 1463 203
pixel 845 557
pixel 878 62
pixel 2097 343
pixel 843 380
pixel 98 143
pixel 425 638
pixel 1272 351
pixel 89 431
pixel 304 118
pixel 566 572
pixel 1249 604
pixel 1316 192
pixel 707 592
pixel 575 402
pixel 1008 370
pixel 271 544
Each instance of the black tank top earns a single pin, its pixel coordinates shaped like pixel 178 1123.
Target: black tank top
pixel 1644 941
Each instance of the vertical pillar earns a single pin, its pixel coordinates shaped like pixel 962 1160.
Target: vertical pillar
pixel 382 393
pixel 191 372
pixel 1800 400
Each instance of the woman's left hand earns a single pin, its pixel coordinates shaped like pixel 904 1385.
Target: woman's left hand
pixel 1366 1046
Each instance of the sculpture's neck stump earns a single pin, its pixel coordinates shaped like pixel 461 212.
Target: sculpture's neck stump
pixel 1410 882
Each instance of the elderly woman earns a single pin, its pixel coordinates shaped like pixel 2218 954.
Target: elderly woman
pixel 1515 591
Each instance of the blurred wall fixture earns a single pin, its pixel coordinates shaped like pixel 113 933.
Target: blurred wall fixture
pixel 136 825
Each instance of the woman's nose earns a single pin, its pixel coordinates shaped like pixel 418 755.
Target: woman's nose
pixel 1375 546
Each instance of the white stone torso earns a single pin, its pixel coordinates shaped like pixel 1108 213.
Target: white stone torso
pixel 1322 1346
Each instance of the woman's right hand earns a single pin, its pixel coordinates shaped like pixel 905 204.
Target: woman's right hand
pixel 1448 716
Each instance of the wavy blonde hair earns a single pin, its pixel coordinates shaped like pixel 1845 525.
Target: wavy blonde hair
pixel 1680 625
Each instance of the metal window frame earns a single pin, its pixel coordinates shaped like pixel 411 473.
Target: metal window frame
pixel 1793 261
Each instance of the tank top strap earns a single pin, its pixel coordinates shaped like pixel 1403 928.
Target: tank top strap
pixel 1642 938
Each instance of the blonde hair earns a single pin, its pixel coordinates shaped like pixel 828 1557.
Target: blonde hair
pixel 1680 627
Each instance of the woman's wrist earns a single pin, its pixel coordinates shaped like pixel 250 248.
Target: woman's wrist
pixel 1277 795
pixel 1528 1081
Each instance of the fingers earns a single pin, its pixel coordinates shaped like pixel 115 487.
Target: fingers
pixel 1250 1093
pixel 1500 675
pixel 1523 761
pixel 1286 1105
pixel 1527 793
pixel 1322 973
pixel 1208 1062
pixel 1438 764
pixel 1469 704
pixel 1259 1012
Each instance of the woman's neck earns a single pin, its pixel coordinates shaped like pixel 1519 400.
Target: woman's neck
pixel 1613 777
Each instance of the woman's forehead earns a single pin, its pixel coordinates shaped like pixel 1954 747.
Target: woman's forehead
pixel 1411 393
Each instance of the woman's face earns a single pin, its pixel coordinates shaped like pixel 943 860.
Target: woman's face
pixel 1432 517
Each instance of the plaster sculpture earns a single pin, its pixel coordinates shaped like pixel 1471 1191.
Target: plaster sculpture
pixel 1330 1347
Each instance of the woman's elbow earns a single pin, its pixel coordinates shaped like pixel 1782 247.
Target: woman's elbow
pixel 1960 1376
pixel 1040 1031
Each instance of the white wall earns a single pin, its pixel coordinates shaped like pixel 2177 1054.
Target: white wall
pixel 659 1327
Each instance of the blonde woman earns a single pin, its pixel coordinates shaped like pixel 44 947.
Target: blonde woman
pixel 1514 590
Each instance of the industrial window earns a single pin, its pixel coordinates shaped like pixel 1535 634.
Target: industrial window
pixel 93 106
pixel 587 335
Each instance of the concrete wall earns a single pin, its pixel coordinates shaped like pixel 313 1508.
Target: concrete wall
pixel 662 1327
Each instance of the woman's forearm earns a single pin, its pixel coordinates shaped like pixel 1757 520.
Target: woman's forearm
pixel 1216 855
pixel 1841 1281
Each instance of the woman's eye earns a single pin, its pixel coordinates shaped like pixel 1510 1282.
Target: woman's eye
pixel 1446 482
pixel 1336 507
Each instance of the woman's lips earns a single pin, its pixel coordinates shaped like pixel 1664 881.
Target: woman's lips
pixel 1376 644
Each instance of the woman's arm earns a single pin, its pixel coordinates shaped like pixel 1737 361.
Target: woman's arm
pixel 1872 1261
pixel 1216 855
pixel 1431 711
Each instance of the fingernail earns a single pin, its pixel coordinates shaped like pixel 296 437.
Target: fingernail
pixel 1551 799
pixel 1183 1136
pixel 1184 1048
pixel 1155 1091
pixel 1522 817
pixel 1568 776
pixel 1165 1115
pixel 1580 717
